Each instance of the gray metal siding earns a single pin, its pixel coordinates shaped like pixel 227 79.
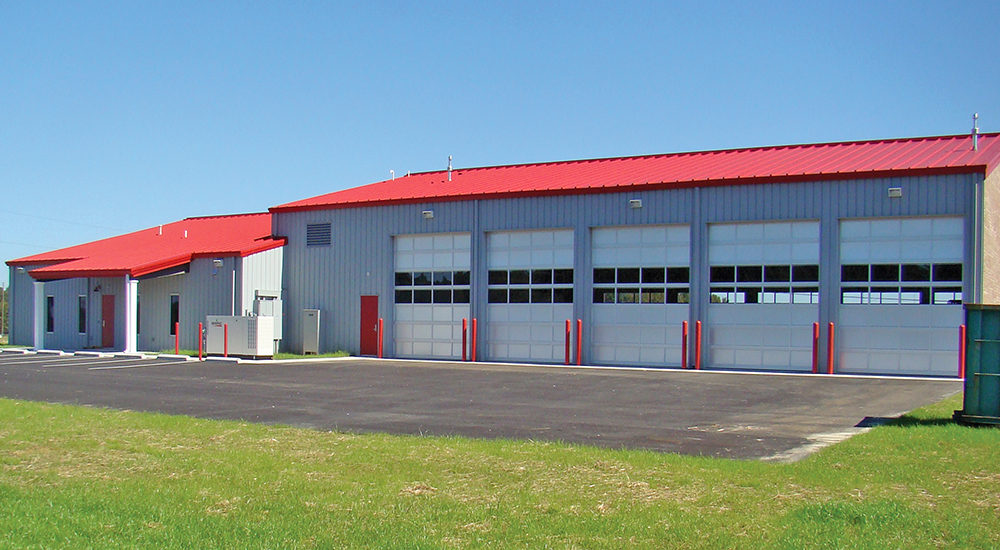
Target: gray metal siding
pixel 66 315
pixel 360 259
pixel 154 312
pixel 22 307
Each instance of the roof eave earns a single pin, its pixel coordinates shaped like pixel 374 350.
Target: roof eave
pixel 647 186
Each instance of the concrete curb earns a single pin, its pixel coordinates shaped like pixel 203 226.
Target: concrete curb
pixel 132 355
pixel 17 351
pixel 172 356
pixel 51 352
pixel 92 354
pixel 235 360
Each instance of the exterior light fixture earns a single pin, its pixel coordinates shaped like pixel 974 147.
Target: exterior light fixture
pixel 635 203
pixel 217 262
pixel 895 192
pixel 427 214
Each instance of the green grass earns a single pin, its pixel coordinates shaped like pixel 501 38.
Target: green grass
pixel 194 353
pixel 83 477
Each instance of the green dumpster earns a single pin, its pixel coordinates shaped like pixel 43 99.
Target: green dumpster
pixel 982 368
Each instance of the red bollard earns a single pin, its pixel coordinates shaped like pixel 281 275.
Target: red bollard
pixel 684 345
pixel 579 342
pixel 830 351
pixel 381 325
pixel 200 329
pixel 177 338
pixel 225 340
pixel 815 368
pixel 474 334
pixel 697 345
pixel 568 331
pixel 465 336
pixel 961 352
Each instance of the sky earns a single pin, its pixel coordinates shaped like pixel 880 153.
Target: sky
pixel 118 116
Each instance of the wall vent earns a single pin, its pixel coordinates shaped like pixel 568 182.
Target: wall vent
pixel 318 234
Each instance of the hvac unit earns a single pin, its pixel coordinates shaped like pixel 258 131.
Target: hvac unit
pixel 267 303
pixel 310 331
pixel 248 336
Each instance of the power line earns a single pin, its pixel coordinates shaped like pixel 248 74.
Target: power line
pixel 60 220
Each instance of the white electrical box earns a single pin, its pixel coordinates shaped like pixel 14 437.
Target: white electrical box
pixel 310 331
pixel 248 336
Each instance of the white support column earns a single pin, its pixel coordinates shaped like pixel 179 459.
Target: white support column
pixel 131 313
pixel 39 290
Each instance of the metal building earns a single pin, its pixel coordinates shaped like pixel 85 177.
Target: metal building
pixel 883 239
pixel 131 291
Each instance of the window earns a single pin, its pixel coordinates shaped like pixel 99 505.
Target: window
pixel 764 284
pixel 530 286
pixel 50 319
pixel 432 287
pixel 318 234
pixel 81 314
pixel 901 284
pixel 175 313
pixel 641 285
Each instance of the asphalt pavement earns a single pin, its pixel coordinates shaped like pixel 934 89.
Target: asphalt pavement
pixel 737 415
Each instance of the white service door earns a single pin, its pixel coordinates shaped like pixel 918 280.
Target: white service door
pixel 530 294
pixel 431 294
pixel 640 297
pixel 901 295
pixel 764 286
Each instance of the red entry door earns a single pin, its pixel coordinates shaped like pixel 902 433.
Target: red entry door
pixel 108 321
pixel 369 325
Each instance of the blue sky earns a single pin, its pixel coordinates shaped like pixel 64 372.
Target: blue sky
pixel 120 116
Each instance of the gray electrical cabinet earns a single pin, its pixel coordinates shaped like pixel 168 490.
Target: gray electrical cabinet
pixel 310 331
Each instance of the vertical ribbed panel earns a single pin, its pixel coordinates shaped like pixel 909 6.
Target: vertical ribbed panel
pixel 359 260
pixel 261 271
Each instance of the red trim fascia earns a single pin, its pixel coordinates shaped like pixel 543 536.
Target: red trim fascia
pixel 792 178
pixel 44 263
pixel 77 274
pixel 153 267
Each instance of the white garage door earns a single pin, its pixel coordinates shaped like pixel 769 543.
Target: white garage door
pixel 764 280
pixel 530 294
pixel 641 290
pixel 901 296
pixel 432 294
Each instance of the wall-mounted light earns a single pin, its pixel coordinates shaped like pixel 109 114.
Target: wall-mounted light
pixel 217 262
pixel 895 192
pixel 427 214
pixel 97 288
pixel 635 203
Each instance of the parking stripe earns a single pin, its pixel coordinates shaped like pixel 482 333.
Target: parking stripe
pixel 144 365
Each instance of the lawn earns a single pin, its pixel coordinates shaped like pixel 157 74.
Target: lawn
pixel 84 477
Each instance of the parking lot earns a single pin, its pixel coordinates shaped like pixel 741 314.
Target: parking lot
pixel 738 415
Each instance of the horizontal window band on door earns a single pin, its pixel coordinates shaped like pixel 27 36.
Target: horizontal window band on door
pixel 901 284
pixel 764 284
pixel 642 285
pixel 432 287
pixel 530 286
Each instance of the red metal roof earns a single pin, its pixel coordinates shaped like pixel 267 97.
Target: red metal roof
pixel 157 248
pixel 846 160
